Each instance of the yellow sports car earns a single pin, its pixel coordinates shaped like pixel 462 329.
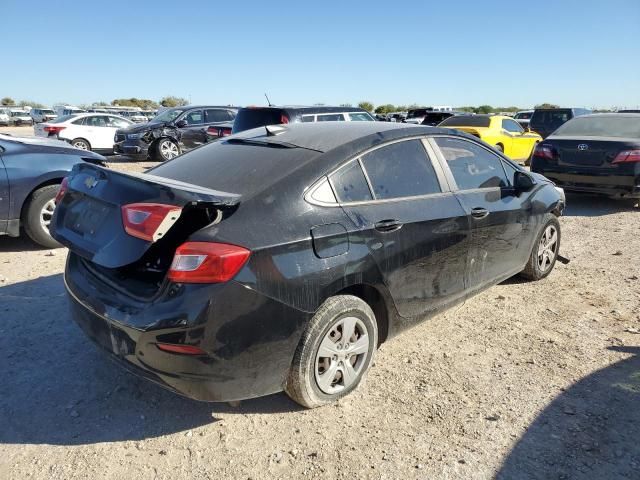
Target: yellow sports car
pixel 504 133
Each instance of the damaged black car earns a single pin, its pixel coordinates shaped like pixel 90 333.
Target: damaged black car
pixel 172 132
pixel 282 257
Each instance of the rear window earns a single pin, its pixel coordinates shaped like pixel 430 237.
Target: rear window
pixel 550 119
pixel 605 126
pixel 470 121
pixel 249 118
pixel 418 112
pixel 436 117
pixel 234 168
pixel 522 116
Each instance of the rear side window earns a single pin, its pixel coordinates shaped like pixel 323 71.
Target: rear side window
pixel 399 170
pixel 213 115
pixel 511 126
pixel 350 185
pixel 308 118
pixel 249 118
pixel 471 165
pixel 330 117
pixel 360 117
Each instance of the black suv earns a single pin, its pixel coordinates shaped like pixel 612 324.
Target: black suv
pixel 253 117
pixel 545 121
pixel 172 132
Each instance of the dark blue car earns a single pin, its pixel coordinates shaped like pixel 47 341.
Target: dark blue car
pixel 31 170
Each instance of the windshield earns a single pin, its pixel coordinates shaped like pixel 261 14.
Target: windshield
pixel 466 121
pixel 169 115
pixel 601 126
pixel 418 112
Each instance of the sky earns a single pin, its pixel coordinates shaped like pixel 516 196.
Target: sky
pixel 462 52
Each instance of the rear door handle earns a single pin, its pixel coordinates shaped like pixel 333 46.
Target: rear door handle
pixel 388 225
pixel 479 212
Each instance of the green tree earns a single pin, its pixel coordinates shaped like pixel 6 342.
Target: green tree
pixel 547 105
pixel 466 109
pixel 368 106
pixel 29 103
pixel 171 101
pixel 7 101
pixel 387 108
pixel 484 109
pixel 143 103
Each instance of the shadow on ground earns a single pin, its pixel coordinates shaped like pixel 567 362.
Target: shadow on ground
pixel 594 206
pixel 57 388
pixel 590 431
pixel 19 244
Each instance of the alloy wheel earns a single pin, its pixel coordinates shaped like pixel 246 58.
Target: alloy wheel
pixel 341 355
pixel 46 214
pixel 81 145
pixel 547 248
pixel 168 150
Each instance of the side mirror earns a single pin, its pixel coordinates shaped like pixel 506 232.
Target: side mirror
pixel 181 123
pixel 523 182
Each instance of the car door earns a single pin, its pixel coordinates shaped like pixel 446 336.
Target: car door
pixel 95 131
pixel 4 195
pixel 192 134
pixel 521 144
pixel 413 225
pixel 499 218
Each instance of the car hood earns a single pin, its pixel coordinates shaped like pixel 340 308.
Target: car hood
pixel 144 127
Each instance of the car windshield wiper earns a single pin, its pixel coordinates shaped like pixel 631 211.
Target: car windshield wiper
pixel 260 143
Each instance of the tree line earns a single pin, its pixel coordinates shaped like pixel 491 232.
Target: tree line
pixel 143 103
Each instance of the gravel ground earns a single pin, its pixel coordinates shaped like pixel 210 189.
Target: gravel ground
pixel 527 380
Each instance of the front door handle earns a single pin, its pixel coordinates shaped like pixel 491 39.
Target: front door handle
pixel 388 225
pixel 479 212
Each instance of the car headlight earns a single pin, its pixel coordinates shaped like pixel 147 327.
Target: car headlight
pixel 561 192
pixel 133 136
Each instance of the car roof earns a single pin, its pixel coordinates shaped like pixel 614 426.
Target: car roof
pixel 326 136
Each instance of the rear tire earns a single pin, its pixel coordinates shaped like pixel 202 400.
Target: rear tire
pixel 37 215
pixel 545 250
pixel 81 143
pixel 319 376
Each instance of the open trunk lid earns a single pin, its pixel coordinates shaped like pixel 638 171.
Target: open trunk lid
pixel 89 219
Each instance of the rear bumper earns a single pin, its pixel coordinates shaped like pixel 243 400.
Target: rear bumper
pixel 249 339
pixel 612 185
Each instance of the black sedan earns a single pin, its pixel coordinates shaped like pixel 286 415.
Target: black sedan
pixel 597 153
pixel 31 171
pixel 283 256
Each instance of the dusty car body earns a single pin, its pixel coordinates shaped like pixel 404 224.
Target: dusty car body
pixel 271 260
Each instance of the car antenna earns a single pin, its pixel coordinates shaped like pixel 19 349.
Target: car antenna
pixel 268 101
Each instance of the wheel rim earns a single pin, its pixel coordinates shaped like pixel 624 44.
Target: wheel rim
pixel 341 355
pixel 46 214
pixel 547 248
pixel 81 145
pixel 168 150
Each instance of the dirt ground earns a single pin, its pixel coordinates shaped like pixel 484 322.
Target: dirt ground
pixel 525 381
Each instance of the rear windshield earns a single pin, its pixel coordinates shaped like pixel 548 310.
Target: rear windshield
pixel 234 168
pixel 470 121
pixel 46 111
pixel 436 116
pixel 63 118
pixel 249 118
pixel 523 116
pixel 550 119
pixel 418 112
pixel 605 126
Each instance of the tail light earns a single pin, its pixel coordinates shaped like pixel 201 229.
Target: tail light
pixel 284 119
pixel 64 186
pixel 181 349
pixel 219 131
pixel 149 221
pixel 204 262
pixel 545 151
pixel 627 156
pixel 53 129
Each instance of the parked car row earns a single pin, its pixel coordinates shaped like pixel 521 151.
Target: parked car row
pixel 10 116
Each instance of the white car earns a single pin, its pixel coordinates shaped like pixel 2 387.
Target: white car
pixel 87 131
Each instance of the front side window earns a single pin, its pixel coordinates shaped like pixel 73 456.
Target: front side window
pixel 472 166
pixel 511 126
pixel 350 185
pixel 401 169
pixel 95 121
pixel 194 117
pixel 308 118
pixel 332 117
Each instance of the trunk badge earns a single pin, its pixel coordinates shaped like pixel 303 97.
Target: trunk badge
pixel 90 182
pixel 583 146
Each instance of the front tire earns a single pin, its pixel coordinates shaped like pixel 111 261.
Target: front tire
pixel 334 353
pixel 38 214
pixel 545 250
pixel 166 149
